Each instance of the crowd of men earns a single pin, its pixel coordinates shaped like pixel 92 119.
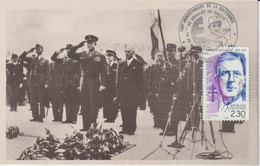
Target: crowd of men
pixel 85 81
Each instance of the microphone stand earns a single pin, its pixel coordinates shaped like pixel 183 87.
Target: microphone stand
pixel 164 132
pixel 191 119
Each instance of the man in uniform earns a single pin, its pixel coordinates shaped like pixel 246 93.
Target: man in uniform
pixel 69 83
pixel 110 109
pixel 161 90
pixel 27 79
pixel 190 89
pixel 22 90
pixel 71 86
pixel 129 91
pixel 94 74
pixel 39 80
pixel 171 53
pixel 56 79
pixel 14 80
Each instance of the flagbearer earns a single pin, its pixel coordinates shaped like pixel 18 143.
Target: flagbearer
pixel 94 74
pixel 110 109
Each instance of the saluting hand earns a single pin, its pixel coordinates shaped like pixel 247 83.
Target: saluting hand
pixel 31 50
pixel 61 50
pixel 82 43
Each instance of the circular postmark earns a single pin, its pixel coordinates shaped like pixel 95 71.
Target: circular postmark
pixel 208 24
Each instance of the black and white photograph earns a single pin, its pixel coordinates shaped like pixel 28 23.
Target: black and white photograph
pixel 122 82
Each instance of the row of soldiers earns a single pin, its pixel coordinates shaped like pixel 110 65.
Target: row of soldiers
pixel 88 80
pixel 171 87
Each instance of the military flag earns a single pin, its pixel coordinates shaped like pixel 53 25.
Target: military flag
pixel 154 28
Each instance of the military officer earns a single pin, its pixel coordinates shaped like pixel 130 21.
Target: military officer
pixel 14 80
pixel 56 79
pixel 161 90
pixel 110 109
pixel 171 52
pixel 22 90
pixel 69 83
pixel 39 80
pixel 24 61
pixel 71 86
pixel 94 74
pixel 129 91
pixel 190 87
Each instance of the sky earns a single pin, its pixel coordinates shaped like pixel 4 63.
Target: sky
pixel 56 28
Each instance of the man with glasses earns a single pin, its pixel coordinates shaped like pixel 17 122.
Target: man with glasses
pixel 94 74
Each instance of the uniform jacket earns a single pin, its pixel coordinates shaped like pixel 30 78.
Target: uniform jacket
pixel 56 75
pixel 15 74
pixel 162 74
pixel 112 76
pixel 93 65
pixel 186 85
pixel 39 70
pixel 129 82
pixel 70 71
pixel 175 63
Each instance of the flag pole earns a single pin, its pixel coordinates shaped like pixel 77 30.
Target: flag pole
pixel 160 26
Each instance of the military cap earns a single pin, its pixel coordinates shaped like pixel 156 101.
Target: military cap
pixel 181 48
pixel 214 19
pixel 91 38
pixel 117 58
pixel 111 53
pixel 14 56
pixel 38 45
pixel 68 46
pixel 196 48
pixel 171 46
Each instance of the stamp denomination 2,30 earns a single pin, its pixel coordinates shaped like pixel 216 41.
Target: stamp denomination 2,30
pixel 226 83
pixel 208 24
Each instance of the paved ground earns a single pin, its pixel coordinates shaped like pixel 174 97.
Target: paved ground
pixel 146 137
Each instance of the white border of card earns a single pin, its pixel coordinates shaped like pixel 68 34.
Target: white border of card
pixel 245 13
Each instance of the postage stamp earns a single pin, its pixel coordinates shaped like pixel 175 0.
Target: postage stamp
pixel 226 83
pixel 208 24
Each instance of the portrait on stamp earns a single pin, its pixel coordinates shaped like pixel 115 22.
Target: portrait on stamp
pixel 226 84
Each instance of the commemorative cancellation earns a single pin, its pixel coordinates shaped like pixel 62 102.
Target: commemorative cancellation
pixel 126 84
